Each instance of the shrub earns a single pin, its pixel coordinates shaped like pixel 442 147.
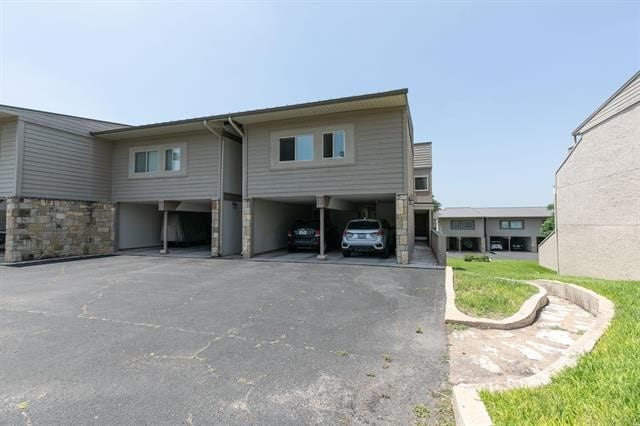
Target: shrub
pixel 474 258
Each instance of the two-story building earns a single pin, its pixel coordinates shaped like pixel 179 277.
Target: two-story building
pixel 236 181
pixel 493 228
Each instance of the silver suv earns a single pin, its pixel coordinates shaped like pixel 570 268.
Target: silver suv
pixel 369 236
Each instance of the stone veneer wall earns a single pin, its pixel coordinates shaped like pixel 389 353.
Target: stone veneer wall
pixel 247 225
pixel 215 228
pixel 402 229
pixel 44 229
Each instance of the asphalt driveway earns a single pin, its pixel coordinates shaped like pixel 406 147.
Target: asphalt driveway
pixel 143 340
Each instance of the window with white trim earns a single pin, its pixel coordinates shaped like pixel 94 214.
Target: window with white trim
pixel 172 159
pixel 333 144
pixel 146 161
pixel 463 224
pixel 512 224
pixel 296 148
pixel 422 183
pixel 152 161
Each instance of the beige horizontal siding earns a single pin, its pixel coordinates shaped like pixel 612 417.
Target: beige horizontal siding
pixel 63 165
pixel 201 182
pixel 628 97
pixel 378 166
pixel 422 155
pixel 7 158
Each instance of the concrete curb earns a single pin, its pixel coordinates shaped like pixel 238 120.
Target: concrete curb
pixel 524 317
pixel 467 405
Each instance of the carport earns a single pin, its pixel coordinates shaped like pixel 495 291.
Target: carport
pixel 274 217
pixel 502 240
pixel 520 244
pixel 164 227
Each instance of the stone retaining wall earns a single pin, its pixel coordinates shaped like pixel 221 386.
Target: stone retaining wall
pixel 45 229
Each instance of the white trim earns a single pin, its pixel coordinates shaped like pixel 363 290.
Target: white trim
pixel 161 173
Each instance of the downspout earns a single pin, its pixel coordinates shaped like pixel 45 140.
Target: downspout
pixel 221 188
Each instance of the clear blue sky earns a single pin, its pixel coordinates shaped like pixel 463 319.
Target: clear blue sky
pixel 498 87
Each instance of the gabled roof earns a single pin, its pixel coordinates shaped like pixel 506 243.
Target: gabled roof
pixel 494 212
pixel 352 103
pixel 624 97
pixel 67 122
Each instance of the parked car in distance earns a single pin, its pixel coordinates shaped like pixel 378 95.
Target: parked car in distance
pixel 517 246
pixel 305 234
pixel 368 236
pixel 496 245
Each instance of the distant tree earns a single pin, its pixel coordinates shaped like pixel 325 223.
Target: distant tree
pixel 549 225
pixel 436 204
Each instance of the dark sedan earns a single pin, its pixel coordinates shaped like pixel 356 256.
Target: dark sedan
pixel 305 234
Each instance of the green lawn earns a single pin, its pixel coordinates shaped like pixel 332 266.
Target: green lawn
pixel 604 388
pixel 485 296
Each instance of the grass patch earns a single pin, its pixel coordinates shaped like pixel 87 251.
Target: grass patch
pixel 604 388
pixel 482 295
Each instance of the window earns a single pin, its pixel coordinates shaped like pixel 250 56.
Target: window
pixel 422 183
pixel 146 162
pixel 296 148
pixel 512 224
pixel 158 161
pixel 172 159
pixel 463 224
pixel 333 144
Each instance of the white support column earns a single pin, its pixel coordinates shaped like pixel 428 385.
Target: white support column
pixel 322 255
pixel 165 222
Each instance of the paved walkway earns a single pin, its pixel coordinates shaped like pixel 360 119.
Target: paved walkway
pixel 422 257
pixel 497 356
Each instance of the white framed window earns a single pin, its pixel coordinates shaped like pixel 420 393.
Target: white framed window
pixel 463 224
pixel 512 224
pixel 172 159
pixel 296 148
pixel 333 144
pixel 421 183
pixel 146 162
pixel 158 161
pixel 310 147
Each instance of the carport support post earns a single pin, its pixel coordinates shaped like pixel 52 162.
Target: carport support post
pixel 509 243
pixel 321 202
pixel 165 222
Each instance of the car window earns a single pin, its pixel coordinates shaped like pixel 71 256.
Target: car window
pixel 363 224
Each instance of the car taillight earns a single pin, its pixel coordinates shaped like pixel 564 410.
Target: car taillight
pixel 317 232
pixel 289 233
pixel 379 233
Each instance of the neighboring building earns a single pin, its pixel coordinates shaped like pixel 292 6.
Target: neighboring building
pixel 423 203
pixel 477 229
pixel 74 186
pixel 598 194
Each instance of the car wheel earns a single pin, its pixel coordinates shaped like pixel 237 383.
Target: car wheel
pixel 385 252
pixel 346 253
pixel 291 249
